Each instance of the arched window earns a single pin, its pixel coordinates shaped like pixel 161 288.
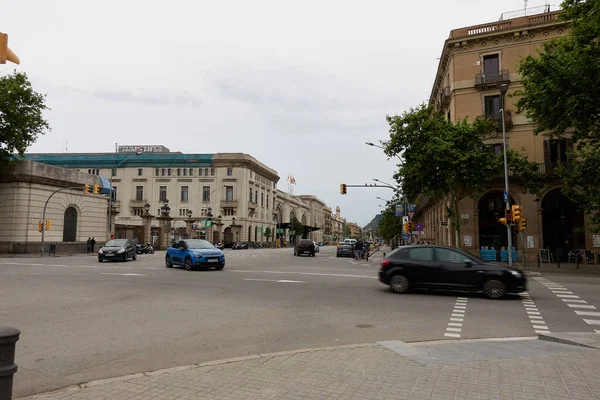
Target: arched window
pixel 70 225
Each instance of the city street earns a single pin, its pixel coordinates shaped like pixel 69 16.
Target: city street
pixel 81 320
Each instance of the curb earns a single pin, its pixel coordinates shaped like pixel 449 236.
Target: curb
pixel 532 274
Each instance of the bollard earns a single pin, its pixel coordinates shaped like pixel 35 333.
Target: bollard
pixel 538 259
pixel 8 340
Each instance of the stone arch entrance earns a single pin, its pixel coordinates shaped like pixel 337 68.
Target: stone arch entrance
pixel 228 235
pixel 70 225
pixel 492 233
pixel 562 224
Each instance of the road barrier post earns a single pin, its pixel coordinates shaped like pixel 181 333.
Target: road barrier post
pixel 8 339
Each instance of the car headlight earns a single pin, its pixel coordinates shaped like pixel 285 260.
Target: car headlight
pixel 197 254
pixel 516 273
pixel 121 251
pixel 100 251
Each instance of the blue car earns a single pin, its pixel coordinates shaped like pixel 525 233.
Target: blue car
pixel 191 253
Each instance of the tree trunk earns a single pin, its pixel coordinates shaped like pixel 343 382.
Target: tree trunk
pixel 456 221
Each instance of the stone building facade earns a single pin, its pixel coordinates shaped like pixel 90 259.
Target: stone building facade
pixel 74 216
pixel 474 62
pixel 238 191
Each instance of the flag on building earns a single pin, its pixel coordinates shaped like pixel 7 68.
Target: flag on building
pixel 291 180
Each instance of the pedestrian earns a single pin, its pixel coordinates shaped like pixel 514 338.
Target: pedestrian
pixel 89 246
pixel 92 244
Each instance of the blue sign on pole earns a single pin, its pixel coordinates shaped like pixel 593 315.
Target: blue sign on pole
pixel 399 210
pixel 405 236
pixel 412 207
pixel 505 196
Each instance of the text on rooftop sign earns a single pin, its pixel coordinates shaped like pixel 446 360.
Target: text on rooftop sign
pixel 142 148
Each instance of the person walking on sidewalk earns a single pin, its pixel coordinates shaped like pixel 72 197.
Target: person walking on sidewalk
pixel 92 244
pixel 89 246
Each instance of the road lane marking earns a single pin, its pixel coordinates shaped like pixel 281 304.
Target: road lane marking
pixel 118 273
pixel 454 327
pixel 570 298
pixel 304 273
pixel 588 313
pixel 535 318
pixel 274 280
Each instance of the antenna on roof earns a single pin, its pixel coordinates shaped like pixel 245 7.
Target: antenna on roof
pixel 525 1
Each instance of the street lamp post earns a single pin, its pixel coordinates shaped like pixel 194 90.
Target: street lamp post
pixel 503 90
pixel 383 148
pixel 207 219
pixel 110 194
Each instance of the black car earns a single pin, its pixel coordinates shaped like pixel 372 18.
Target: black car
pixel 448 268
pixel 117 249
pixel 345 250
pixel 304 246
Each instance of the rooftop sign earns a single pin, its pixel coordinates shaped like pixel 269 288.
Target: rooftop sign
pixel 145 148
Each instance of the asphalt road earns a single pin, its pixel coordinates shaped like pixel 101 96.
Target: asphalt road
pixel 81 320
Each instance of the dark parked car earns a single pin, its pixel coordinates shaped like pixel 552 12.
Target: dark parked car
pixel 345 250
pixel 117 249
pixel 448 268
pixel 304 246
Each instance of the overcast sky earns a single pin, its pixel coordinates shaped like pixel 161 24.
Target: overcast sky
pixel 299 85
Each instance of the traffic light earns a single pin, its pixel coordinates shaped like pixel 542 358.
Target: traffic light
pixel 410 226
pixel 343 188
pixel 516 212
pixel 40 226
pixel 6 54
pixel 405 227
pixel 48 224
pixel 86 189
pixel 523 224
pixel 502 220
pixel 96 189
pixel 508 216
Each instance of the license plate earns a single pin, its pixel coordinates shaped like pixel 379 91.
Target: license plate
pixel 212 260
pixel 109 255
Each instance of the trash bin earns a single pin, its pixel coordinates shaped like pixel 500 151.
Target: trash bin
pixel 52 250
pixel 8 338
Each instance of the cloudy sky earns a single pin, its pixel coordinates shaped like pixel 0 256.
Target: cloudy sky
pixel 299 85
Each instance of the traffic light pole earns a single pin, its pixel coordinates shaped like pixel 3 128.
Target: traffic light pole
pixel 503 89
pixel 44 213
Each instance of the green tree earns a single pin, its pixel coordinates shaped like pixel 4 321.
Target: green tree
pixel 21 116
pixel 268 233
pixel 560 94
pixel 297 227
pixel 389 224
pixel 450 161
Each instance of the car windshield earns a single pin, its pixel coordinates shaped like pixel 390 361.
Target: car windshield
pixel 116 243
pixel 199 244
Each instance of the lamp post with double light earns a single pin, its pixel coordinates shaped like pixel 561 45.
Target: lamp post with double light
pixel 503 90
pixel 147 221
pixel 113 172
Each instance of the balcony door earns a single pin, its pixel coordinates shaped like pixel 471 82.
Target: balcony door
pixel 491 65
pixel 492 107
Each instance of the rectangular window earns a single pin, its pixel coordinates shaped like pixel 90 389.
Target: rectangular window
pixel 491 65
pixel 140 172
pixel 184 193
pixel 162 172
pixel 200 172
pixel 205 171
pixel 114 172
pixel 169 172
pixel 139 193
pixel 114 193
pixel 228 212
pixel 229 171
pixel 157 172
pixel 256 197
pixel 492 106
pixel 262 199
pixel 191 172
pixel 212 172
pixel 250 195
pixel 229 193
pixel 205 193
pixel 137 210
pixel 178 171
pixel 185 171
pixel 162 193
pixel 497 149
pixel 267 202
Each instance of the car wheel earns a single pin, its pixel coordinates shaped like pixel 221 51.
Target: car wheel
pixel 188 264
pixel 399 284
pixel 494 289
pixel 99 259
pixel 219 267
pixel 168 262
pixel 313 254
pixel 337 255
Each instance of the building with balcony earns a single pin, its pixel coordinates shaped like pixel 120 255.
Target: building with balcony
pixel 474 62
pixel 234 191
pixel 355 230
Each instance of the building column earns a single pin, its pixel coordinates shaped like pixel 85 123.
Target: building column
pixel 165 231
pixel 147 223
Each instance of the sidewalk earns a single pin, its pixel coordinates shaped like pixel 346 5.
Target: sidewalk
pixel 517 368
pixel 566 268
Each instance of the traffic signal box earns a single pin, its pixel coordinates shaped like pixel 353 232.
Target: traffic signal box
pixel 96 189
pixel 6 54
pixel 522 224
pixel 48 224
pixel 410 226
pixel 86 189
pixel 517 213
pixel 508 216
pixel 405 227
pixel 343 188
pixel 40 226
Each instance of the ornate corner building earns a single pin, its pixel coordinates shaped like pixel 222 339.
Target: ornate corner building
pixel 474 62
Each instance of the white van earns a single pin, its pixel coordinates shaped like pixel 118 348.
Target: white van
pixel 349 241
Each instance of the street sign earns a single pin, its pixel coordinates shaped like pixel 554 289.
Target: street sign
pixel 194 227
pixel 399 210
pixel 405 219
pixel 405 236
pixel 419 227
pixel 443 223
pixel 412 209
pixel 505 196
